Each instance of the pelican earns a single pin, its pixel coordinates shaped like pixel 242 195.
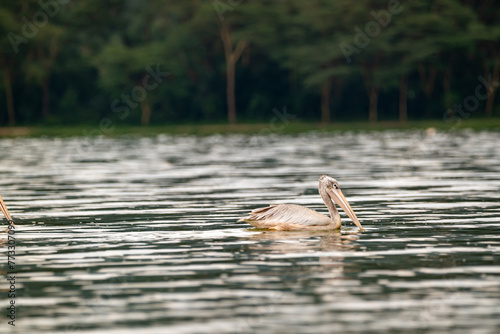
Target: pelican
pixel 5 211
pixel 292 217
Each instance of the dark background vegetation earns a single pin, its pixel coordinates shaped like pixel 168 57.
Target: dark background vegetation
pixel 72 63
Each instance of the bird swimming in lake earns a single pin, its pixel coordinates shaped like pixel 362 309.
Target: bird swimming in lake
pixel 292 217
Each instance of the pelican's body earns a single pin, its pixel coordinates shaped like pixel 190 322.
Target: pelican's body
pixel 290 217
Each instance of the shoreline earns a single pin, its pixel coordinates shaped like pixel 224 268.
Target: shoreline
pixel 294 127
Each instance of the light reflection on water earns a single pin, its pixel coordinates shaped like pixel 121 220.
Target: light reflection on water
pixel 127 234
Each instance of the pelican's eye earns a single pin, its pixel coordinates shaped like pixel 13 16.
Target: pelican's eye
pixel 336 186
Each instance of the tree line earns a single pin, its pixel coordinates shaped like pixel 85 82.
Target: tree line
pixel 155 61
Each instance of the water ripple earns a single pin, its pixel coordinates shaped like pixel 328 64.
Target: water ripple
pixel 116 235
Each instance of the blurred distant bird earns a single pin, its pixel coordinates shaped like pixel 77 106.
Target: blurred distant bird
pixel 5 211
pixel 290 217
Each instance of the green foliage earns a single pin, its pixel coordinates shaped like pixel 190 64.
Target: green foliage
pixel 88 53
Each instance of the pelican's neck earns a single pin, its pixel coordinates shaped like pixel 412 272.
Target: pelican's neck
pixel 334 214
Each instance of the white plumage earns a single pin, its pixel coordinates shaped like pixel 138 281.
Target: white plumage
pixel 296 217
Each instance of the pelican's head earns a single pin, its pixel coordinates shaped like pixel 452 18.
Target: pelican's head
pixel 329 186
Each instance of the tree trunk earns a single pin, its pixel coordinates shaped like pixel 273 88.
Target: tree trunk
pixel 8 96
pixel 427 81
pixel 145 112
pixel 45 98
pixel 447 81
pixel 372 114
pixel 403 99
pixel 230 91
pixel 325 101
pixel 372 91
pixel 491 95
pixel 232 57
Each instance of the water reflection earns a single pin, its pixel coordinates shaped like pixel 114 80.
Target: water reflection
pixel 141 234
pixel 302 241
pixel 312 254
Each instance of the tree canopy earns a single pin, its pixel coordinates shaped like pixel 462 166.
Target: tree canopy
pixel 157 62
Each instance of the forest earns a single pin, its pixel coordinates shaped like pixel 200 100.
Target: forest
pixel 153 62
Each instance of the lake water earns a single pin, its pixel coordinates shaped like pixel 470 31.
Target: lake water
pixel 140 235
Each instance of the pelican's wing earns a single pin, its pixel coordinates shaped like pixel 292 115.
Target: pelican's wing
pixel 288 213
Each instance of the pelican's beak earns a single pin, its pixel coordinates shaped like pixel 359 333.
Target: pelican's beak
pixel 338 197
pixel 5 211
